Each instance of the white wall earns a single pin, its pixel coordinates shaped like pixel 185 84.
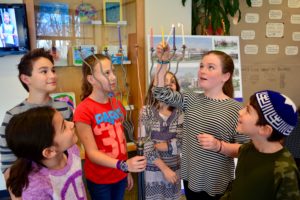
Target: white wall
pixel 165 13
pixel 9 87
pixel 11 90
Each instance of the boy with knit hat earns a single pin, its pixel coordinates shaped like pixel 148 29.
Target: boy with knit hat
pixel 265 169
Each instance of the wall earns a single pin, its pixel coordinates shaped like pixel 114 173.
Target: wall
pixel 11 89
pixel 269 71
pixel 164 13
pixel 8 83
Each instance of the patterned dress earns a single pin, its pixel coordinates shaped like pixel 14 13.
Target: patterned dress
pixel 163 128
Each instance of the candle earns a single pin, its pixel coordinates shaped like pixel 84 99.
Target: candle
pixel 120 41
pixel 174 45
pixel 151 38
pixel 182 33
pixel 171 30
pixel 162 36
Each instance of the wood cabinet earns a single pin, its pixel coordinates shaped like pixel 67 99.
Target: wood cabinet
pixel 70 31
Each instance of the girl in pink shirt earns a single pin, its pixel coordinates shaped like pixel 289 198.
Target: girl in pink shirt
pixel 48 164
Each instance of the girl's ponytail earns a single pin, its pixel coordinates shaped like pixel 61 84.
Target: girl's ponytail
pixel 18 176
pixel 27 135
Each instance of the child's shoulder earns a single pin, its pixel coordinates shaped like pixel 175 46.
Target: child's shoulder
pixel 39 185
pixel 285 160
pixel 246 146
pixel 235 103
pixel 287 175
pixel 84 106
pixel 19 108
pixel 74 150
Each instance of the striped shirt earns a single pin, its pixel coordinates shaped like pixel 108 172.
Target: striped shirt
pixel 7 156
pixel 205 170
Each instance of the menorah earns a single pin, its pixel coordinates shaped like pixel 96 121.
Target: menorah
pixel 146 115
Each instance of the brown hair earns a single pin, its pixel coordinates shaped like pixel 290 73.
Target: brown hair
pixel 150 100
pixel 27 135
pixel 227 67
pixel 90 61
pixel 27 61
pixel 261 121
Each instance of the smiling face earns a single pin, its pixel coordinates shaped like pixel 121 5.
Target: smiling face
pixel 210 75
pixel 43 77
pixel 65 136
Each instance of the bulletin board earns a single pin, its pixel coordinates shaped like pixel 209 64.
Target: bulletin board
pixel 270 47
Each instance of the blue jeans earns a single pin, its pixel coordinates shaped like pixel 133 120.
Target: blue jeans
pixel 113 191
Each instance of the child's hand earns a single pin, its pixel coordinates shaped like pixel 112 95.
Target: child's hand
pixel 170 175
pixel 129 182
pixel 208 142
pixel 163 55
pixel 161 146
pixel 163 51
pixel 136 164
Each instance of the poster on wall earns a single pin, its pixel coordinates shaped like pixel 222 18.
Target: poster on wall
pixel 68 97
pixel 86 13
pixel 78 55
pixel 53 19
pixel 112 11
pixel 196 46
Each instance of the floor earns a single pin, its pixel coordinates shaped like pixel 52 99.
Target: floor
pixel 133 195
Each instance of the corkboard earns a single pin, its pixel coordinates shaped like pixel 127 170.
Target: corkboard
pixel 279 71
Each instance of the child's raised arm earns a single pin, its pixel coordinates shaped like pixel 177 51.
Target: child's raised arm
pixel 163 54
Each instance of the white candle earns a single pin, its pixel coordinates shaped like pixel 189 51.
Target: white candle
pixel 170 33
pixel 182 33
